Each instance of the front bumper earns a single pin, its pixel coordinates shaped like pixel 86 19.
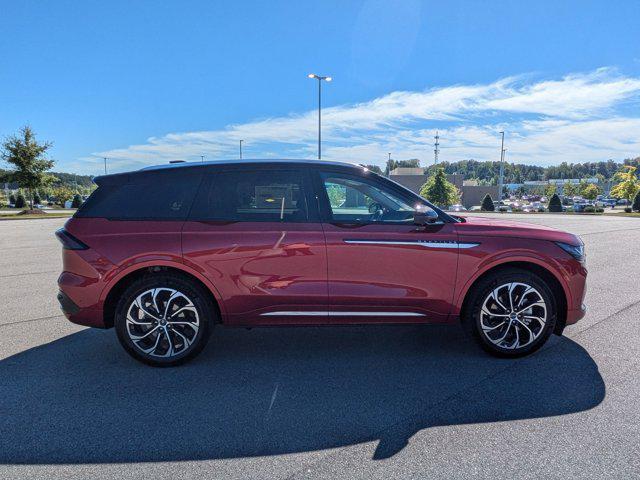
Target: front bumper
pixel 577 314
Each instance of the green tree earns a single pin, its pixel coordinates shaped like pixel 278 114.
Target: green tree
pixel 636 202
pixel 3 199
pixel 487 204
pixel 550 190
pixel 438 190
pixel 20 201
pixel 27 157
pixel 628 184
pixel 36 198
pixel 77 201
pixel 62 194
pixel 12 199
pixel 554 203
pixel 569 189
pixel 590 191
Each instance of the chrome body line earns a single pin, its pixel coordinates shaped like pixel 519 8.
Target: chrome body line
pixel 419 243
pixel 340 314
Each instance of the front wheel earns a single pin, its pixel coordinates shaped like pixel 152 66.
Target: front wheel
pixel 164 320
pixel 511 313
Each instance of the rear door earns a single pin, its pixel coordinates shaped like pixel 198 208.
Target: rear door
pixel 382 267
pixel 255 233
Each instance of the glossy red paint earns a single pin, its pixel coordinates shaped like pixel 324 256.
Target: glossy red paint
pixel 260 268
pixel 259 273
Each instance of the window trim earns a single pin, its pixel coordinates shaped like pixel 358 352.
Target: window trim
pixel 374 179
pixel 313 215
pixel 88 204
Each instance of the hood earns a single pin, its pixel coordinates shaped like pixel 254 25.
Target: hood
pixel 495 227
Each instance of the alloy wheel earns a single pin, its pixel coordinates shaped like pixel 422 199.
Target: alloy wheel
pixel 513 315
pixel 162 322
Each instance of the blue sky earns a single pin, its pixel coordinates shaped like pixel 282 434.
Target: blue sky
pixel 144 82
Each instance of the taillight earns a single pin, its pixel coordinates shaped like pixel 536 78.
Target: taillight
pixel 69 242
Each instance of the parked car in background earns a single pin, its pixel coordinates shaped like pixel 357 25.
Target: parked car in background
pixel 165 254
pixel 457 208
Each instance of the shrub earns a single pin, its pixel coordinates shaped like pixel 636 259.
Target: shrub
pixel 12 199
pixel 487 204
pixel 555 205
pixel 636 202
pixel 20 201
pixel 77 201
pixel 599 210
pixel 589 209
pixel 627 210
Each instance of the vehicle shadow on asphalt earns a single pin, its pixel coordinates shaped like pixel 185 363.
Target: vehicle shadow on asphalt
pixel 273 391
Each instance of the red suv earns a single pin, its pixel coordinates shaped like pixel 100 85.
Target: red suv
pixel 165 253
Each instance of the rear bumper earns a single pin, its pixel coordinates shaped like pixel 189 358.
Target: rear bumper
pixel 68 307
pixel 88 317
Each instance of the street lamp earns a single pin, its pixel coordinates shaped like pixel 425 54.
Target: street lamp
pixel 502 150
pixel 241 149
pixel 320 78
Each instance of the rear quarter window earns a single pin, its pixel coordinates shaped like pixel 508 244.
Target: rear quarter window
pixel 151 197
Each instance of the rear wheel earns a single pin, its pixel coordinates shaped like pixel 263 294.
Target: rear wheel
pixel 164 320
pixel 511 313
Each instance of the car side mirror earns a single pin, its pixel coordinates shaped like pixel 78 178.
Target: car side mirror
pixel 425 216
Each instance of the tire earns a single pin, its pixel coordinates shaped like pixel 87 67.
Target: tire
pixel 164 320
pixel 488 313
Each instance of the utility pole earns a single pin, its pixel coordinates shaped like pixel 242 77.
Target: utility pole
pixel 105 165
pixel 241 149
pixel 389 165
pixel 437 149
pixel 502 150
pixel 202 158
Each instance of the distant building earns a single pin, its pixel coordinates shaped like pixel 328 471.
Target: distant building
pixel 414 178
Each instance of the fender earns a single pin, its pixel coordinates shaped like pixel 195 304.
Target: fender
pixel 132 267
pixel 547 263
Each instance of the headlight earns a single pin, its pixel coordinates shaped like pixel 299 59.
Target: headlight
pixel 576 251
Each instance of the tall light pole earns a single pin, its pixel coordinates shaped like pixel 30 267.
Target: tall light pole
pixel 502 150
pixel 202 158
pixel 241 149
pixel 105 165
pixel 320 78
pixel 389 165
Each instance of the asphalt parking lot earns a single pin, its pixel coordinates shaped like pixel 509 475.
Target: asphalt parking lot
pixel 344 402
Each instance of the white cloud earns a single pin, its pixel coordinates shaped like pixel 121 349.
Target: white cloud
pixel 580 117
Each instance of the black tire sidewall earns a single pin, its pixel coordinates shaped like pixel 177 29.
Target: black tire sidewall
pixel 194 292
pixel 472 317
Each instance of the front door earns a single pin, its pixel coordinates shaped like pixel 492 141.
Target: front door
pixel 256 235
pixel 382 267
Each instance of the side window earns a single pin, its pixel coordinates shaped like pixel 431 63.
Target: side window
pixel 157 197
pixel 357 200
pixel 253 196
